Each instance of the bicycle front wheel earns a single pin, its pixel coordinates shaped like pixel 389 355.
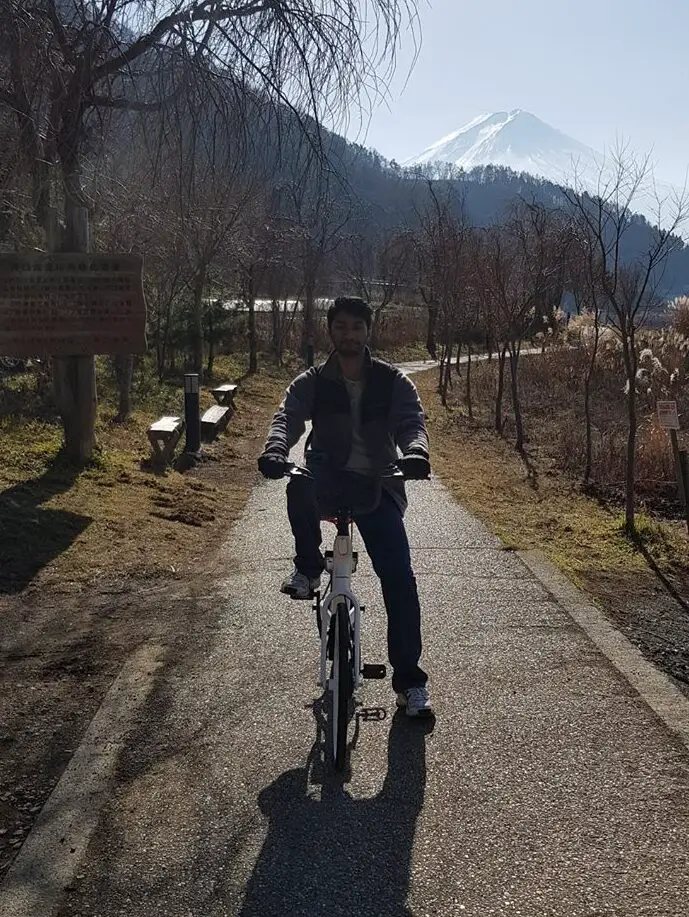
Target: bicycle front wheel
pixel 342 683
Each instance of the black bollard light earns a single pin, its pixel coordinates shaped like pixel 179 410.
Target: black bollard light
pixel 192 412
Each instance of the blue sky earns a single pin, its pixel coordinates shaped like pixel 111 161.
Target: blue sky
pixel 595 69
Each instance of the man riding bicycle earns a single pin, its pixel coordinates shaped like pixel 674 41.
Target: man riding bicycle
pixel 361 410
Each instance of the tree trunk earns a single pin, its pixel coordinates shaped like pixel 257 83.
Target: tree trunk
pixel 308 331
pixel 253 339
pixel 514 378
pixel 211 345
pixel 629 520
pixel 74 378
pixel 587 402
pixel 159 347
pixel 124 371
pixel 277 326
pixel 430 331
pixel 458 359
pixel 197 324
pixel 501 388
pixel 376 327
pixel 589 434
pixel 449 358
pixel 167 345
pixel 446 371
pixel 74 384
pixel 441 372
pixel 163 342
pixel 630 477
pixel 470 406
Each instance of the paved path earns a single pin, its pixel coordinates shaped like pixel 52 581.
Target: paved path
pixel 547 787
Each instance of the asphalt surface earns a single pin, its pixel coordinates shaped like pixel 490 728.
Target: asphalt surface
pixel 547 785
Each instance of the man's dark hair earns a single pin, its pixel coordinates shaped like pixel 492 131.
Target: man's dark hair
pixel 352 305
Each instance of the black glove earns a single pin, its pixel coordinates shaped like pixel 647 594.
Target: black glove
pixel 415 467
pixel 272 465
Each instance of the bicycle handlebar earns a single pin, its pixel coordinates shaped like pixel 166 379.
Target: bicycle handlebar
pixel 391 472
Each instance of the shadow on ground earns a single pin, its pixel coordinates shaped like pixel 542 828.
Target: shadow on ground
pixel 337 855
pixel 30 535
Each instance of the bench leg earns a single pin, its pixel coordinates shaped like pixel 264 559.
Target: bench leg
pixel 157 452
pixel 170 446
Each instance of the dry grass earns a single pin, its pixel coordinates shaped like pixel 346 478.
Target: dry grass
pixel 120 517
pixel 533 504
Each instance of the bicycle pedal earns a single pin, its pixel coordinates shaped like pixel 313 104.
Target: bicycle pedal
pixel 372 713
pixel 372 670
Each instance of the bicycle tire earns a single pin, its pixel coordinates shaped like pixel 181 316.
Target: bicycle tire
pixel 342 684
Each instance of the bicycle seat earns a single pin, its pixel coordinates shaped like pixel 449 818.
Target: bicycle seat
pixel 335 519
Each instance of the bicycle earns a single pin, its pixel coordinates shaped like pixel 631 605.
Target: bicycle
pixel 338 616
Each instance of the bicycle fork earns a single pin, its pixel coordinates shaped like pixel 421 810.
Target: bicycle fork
pixel 341 563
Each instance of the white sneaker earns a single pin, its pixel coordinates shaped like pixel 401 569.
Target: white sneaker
pixel 416 701
pixel 299 586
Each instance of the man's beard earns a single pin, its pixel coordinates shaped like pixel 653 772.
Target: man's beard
pixel 350 349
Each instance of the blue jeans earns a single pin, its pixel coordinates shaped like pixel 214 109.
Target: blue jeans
pixel 385 539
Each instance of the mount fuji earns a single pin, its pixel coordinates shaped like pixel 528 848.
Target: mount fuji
pixel 515 139
pixel 522 142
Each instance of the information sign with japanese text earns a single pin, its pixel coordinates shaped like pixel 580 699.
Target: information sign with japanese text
pixel 71 304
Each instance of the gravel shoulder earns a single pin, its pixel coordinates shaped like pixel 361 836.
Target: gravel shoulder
pixel 643 589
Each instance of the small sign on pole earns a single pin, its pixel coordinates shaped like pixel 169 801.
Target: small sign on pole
pixel 668 418
pixel 667 415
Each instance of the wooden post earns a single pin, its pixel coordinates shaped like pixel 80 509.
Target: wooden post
pixel 681 488
pixel 683 473
pixel 669 419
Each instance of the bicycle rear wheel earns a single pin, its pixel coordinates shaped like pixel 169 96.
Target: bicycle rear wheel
pixel 342 683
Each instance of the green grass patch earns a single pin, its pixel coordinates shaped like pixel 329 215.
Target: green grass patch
pixel 407 353
pixel 119 515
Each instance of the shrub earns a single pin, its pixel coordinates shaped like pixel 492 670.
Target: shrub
pixel 679 315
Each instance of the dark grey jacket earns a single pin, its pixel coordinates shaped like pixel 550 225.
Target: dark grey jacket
pixel 391 416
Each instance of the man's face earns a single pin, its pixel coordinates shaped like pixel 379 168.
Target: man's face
pixel 349 334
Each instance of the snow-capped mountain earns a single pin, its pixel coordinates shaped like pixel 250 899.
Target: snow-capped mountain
pixel 522 142
pixel 516 139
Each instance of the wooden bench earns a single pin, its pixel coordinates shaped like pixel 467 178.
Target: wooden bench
pixel 224 395
pixel 214 421
pixel 164 435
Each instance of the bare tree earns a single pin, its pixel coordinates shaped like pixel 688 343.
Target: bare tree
pixel 131 216
pixel 315 208
pixel 65 66
pixel 582 279
pixel 255 258
pixel 282 287
pixel 525 278
pixel 443 260
pixel 209 208
pixel 379 268
pixel 628 285
pixel 488 267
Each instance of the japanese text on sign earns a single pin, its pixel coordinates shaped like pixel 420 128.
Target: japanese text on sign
pixel 69 304
pixel 667 415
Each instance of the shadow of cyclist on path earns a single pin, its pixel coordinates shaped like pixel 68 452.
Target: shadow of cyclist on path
pixel 338 855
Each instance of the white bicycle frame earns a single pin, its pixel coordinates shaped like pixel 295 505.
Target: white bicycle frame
pixel 341 566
